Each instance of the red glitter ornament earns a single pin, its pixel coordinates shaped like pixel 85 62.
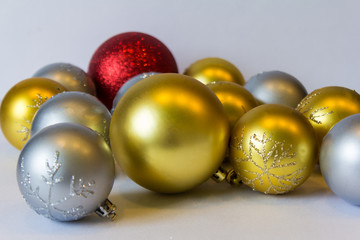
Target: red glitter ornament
pixel 124 56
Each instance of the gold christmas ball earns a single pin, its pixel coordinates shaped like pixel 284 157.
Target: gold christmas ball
pixel 20 105
pixel 169 133
pixel 273 149
pixel 235 99
pixel 326 106
pixel 209 70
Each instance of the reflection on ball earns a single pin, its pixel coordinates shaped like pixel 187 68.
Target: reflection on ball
pixel 326 106
pixel 128 85
pixel 209 70
pixel 74 107
pixel 276 87
pixel 70 76
pixel 340 159
pixel 235 99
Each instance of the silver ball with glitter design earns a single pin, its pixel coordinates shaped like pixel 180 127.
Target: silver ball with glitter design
pixel 340 159
pixel 70 76
pixel 128 85
pixel 276 87
pixel 66 172
pixel 75 107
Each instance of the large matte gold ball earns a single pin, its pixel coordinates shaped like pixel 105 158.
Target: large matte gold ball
pixel 326 106
pixel 273 148
pixel 20 105
pixel 209 70
pixel 235 99
pixel 169 133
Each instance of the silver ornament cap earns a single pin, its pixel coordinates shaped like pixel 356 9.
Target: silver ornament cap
pixel 70 76
pixel 65 172
pixel 276 87
pixel 128 85
pixel 74 107
pixel 340 159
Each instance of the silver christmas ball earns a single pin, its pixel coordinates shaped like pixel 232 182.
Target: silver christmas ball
pixel 75 107
pixel 65 172
pixel 70 76
pixel 340 159
pixel 276 87
pixel 128 85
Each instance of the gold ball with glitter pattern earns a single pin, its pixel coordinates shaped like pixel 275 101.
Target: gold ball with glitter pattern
pixel 273 149
pixel 326 106
pixel 21 103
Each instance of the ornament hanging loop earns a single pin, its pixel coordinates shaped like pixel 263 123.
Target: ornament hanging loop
pixel 219 175
pixel 107 210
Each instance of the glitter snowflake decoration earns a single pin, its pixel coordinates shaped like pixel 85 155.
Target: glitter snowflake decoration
pixel 24 130
pixel 47 205
pixel 105 132
pixel 37 102
pixel 315 114
pixel 273 155
pixel 25 126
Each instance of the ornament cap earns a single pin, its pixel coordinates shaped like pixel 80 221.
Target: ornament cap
pixel 219 175
pixel 107 210
pixel 226 172
pixel 233 178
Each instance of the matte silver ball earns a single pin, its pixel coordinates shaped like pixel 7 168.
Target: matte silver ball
pixel 75 107
pixel 65 172
pixel 70 76
pixel 276 87
pixel 128 85
pixel 340 159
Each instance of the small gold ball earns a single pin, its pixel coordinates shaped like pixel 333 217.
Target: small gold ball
pixel 235 99
pixel 169 133
pixel 209 70
pixel 326 106
pixel 273 149
pixel 21 103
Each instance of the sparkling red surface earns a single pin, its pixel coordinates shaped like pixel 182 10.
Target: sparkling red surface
pixel 124 56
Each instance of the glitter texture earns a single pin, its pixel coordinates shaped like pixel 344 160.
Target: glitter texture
pixel 312 117
pixel 325 107
pixel 264 166
pixel 124 56
pixel 38 102
pixel 46 205
pixel 24 130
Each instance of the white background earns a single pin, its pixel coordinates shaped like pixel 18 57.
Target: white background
pixel 316 41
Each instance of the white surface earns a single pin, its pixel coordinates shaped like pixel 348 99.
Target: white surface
pixel 316 41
